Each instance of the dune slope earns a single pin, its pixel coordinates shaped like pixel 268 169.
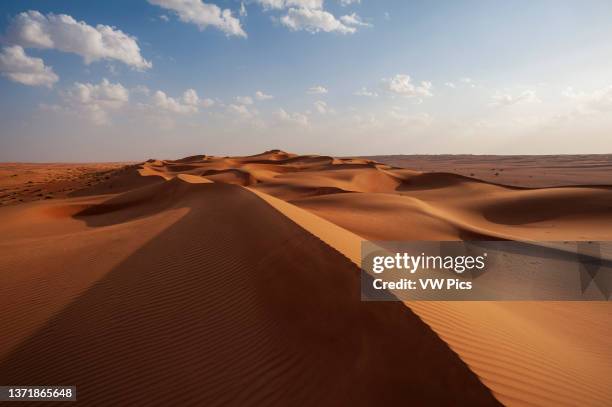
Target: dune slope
pixel 231 303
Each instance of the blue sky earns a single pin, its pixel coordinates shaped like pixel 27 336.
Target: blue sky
pixel 129 80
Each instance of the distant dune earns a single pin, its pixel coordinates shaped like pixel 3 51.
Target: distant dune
pixel 518 170
pixel 235 281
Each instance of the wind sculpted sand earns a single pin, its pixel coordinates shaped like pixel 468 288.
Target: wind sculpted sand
pixel 235 280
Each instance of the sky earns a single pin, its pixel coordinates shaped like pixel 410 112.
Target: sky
pixel 131 80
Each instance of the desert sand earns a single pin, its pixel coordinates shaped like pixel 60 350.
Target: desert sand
pixel 518 170
pixel 235 280
pixel 32 182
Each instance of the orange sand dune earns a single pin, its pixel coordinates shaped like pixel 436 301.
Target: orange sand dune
pixel 234 280
pixel 528 353
pixel 212 297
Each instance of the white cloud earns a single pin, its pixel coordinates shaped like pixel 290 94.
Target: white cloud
pixel 314 20
pixel 309 15
pixel 21 68
pixel 96 100
pixel 504 99
pixel 203 15
pixel 292 118
pixel 354 20
pixel 317 90
pixel 187 103
pixel 468 81
pixel 320 106
pixel 281 4
pixel 105 94
pixel 450 85
pixel 31 29
pixel 244 100
pixel 345 3
pixel 402 85
pixel 259 95
pixel 365 92
pixel 242 11
pixel 190 97
pixel 208 102
pixel 241 111
pixel 164 17
pixel 598 100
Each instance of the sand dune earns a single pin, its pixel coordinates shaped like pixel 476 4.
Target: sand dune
pixel 519 170
pixel 235 280
pixel 229 302
pixel 528 353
